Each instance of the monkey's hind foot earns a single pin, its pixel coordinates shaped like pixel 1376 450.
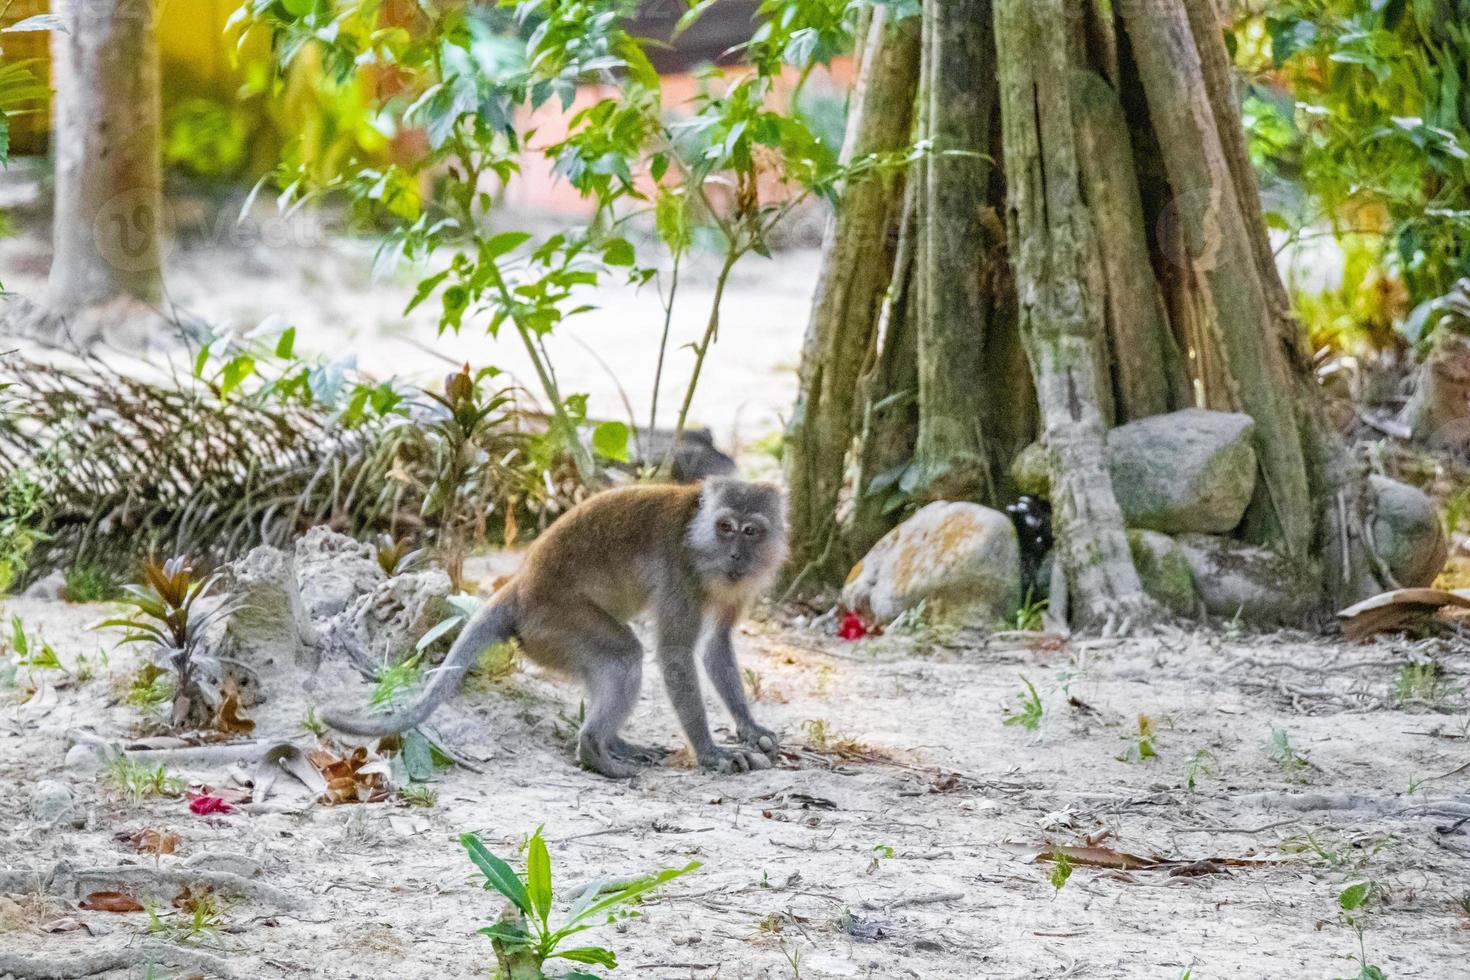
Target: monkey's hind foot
pixel 728 761
pixel 600 760
pixel 647 755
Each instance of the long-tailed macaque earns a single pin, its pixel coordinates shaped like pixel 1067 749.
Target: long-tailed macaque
pixel 696 555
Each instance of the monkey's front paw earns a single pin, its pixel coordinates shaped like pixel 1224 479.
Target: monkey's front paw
pixel 733 760
pixel 761 739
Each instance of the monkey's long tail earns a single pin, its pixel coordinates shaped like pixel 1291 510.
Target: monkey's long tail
pixel 492 624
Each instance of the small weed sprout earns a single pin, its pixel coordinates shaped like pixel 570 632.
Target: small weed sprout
pixel 527 934
pixel 150 688
pixel 311 723
pixel 1351 903
pixel 1029 616
pixel 793 959
pixel 816 733
pixel 395 556
pixel 1200 764
pixel 199 918
pixel 394 679
pixel 881 853
pixel 1061 870
pixel 137 781
pixel 90 583
pixel 31 651
pixel 417 794
pixel 1420 681
pixel 1294 764
pixel 1028 715
pixel 753 685
pixel 1141 742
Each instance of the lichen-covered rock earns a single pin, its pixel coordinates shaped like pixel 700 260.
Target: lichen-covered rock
pixel 332 571
pixel 269 625
pixel 1233 578
pixel 1407 534
pixel 1164 571
pixel 385 625
pixel 1030 473
pixel 1187 471
pixel 960 558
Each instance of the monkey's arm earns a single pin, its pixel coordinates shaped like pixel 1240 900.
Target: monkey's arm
pixel 678 632
pixel 724 674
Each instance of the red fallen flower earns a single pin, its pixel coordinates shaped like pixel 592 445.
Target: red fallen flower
pixel 851 626
pixel 205 805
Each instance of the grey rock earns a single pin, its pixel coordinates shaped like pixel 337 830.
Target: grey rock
pixel 52 805
pixel 1407 533
pixel 332 571
pixel 84 758
pixel 1187 471
pixel 269 625
pixel 385 625
pixel 1234 578
pixel 1164 571
pixel 51 587
pixel 962 559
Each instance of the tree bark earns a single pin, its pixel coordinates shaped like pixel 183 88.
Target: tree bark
pixel 857 261
pixel 1148 376
pixel 1221 258
pixel 1054 254
pixel 951 459
pixel 109 202
pixel 888 394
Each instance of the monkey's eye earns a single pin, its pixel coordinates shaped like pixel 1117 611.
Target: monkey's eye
pixel 725 527
pixel 751 531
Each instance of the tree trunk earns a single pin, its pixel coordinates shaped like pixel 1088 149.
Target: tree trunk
pixel 108 178
pixel 1221 259
pixel 857 261
pixel 952 459
pixel 1054 255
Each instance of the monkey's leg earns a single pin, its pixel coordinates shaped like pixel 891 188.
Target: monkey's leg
pixel 608 658
pixel 645 754
pixel 678 631
pixel 724 674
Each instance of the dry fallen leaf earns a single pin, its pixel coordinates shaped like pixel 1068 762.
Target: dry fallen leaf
pixel 353 779
pixel 110 902
pixel 227 717
pixel 1402 609
pixel 151 840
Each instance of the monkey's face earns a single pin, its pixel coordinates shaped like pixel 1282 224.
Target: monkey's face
pixel 739 533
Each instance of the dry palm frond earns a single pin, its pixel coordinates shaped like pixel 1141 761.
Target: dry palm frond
pixel 132 467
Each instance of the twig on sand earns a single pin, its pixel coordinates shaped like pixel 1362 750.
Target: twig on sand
pixel 931 899
pixel 68 882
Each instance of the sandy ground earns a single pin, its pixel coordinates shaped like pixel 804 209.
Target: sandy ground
pixel 917 759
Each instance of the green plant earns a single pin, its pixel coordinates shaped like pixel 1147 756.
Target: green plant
pixel 1419 681
pixel 1200 764
pixel 1061 870
pixel 150 687
pixel 395 556
pixel 1028 715
pixel 166 614
pixel 1140 742
pixel 793 959
pixel 198 917
pixel 1029 616
pixel 31 652
pixel 21 520
pixel 881 852
pixel 1351 903
pixel 137 780
pixel 528 933
pixel 88 582
pixel 313 724
pixel 394 679
pixel 1294 765
pixel 417 794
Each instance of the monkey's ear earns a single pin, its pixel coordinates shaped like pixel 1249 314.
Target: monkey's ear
pixel 773 498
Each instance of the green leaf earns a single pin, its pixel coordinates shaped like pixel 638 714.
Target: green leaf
pixel 596 955
pixel 1355 896
pixel 625 895
pixel 538 877
pixel 425 288
pixel 498 874
pixel 418 756
pixel 610 440
pixel 37 22
pixel 438 630
pixel 618 251
pixel 504 243
pixel 286 344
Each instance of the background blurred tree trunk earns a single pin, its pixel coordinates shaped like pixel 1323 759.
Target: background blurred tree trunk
pixel 107 153
pixel 857 262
